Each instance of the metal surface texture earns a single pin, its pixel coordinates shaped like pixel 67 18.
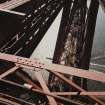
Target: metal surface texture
pixel 25 62
pixel 35 26
pixel 11 4
pixel 37 66
pixel 71 37
pixel 75 33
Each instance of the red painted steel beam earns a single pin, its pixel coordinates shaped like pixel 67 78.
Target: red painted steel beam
pixel 79 93
pixel 71 83
pixel 43 84
pixel 38 91
pixel 31 64
pixel 8 72
pixel 40 78
pixel 26 79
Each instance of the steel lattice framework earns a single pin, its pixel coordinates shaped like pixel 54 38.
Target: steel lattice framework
pixel 57 70
pixel 75 39
pixel 35 26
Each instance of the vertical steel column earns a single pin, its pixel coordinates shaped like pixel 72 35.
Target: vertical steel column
pixel 89 35
pixel 78 22
pixel 62 35
pixel 70 39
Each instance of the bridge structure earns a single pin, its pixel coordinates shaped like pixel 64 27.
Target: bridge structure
pixel 54 98
pixel 72 53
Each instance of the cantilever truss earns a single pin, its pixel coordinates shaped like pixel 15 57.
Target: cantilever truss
pixel 34 26
pixel 54 98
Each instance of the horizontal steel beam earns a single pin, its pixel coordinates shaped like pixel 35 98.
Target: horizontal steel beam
pixel 79 93
pixel 32 64
pixel 53 68
pixel 75 86
pixel 38 91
